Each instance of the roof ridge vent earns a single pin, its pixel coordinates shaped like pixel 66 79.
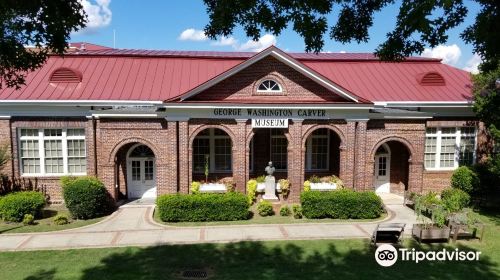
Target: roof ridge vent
pixel 65 75
pixel 432 79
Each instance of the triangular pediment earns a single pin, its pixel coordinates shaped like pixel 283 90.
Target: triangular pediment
pixel 243 83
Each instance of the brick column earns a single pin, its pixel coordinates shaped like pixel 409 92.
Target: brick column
pixel 6 139
pixel 107 176
pixel 185 157
pixel 91 146
pixel 295 160
pixel 240 161
pixel 347 156
pixel 167 165
pixel 360 163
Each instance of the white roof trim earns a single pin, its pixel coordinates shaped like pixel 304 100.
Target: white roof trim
pixel 260 106
pixel 273 51
pixel 460 104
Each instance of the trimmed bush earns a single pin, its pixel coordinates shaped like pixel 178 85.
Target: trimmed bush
pixel 341 204
pixel 285 211
pixel 297 211
pixel 251 191
pixel 229 206
pixel 14 206
pixel 195 187
pixel 28 219
pixel 265 208
pixel 61 219
pixel 454 199
pixel 86 197
pixel 465 179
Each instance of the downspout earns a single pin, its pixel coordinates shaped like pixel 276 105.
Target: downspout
pixel 12 168
pixel 354 168
pixel 177 155
pixel 94 136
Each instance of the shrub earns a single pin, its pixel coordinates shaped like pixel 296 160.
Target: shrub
pixel 341 204
pixel 454 199
pixel 14 206
pixel 229 183
pixel 261 179
pixel 297 211
pixel 251 191
pixel 465 179
pixel 285 211
pixel 336 180
pixel 28 219
pixel 285 187
pixel 61 219
pixel 195 187
pixel 265 208
pixel 307 186
pixel 229 206
pixel 314 179
pixel 86 197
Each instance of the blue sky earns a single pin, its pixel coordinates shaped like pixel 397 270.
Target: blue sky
pixel 177 25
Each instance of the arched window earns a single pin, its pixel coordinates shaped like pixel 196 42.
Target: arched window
pixel 142 151
pixel 269 86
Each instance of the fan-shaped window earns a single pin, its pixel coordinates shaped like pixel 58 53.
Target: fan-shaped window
pixel 432 79
pixel 269 86
pixel 65 75
pixel 142 151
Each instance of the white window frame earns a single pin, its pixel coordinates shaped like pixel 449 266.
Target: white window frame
pixel 211 149
pixel 280 90
pixel 439 134
pixel 309 151
pixel 41 150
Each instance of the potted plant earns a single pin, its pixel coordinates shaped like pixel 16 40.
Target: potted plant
pixel 285 187
pixel 465 223
pixel 327 183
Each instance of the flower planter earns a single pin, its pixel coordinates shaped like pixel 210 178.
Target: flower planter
pixel 323 186
pixel 432 233
pixel 213 187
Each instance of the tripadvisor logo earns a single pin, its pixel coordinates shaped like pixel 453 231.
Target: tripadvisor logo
pixel 386 255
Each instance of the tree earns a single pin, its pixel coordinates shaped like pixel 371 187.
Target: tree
pixel 43 24
pixel 419 23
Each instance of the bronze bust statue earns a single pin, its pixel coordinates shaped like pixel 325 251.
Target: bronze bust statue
pixel 270 169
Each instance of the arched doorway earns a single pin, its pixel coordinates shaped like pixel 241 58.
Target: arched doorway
pixel 141 172
pixel 391 167
pixel 268 144
pixel 382 173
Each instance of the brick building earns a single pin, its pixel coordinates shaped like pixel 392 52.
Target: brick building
pixel 151 122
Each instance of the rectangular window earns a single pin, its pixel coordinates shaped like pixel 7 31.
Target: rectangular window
pixel 215 146
pixel 449 147
pixel 52 151
pixel 317 150
pixel 279 146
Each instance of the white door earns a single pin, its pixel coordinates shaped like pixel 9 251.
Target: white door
pixel 382 173
pixel 141 178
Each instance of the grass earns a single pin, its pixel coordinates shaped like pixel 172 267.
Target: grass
pixel 312 259
pixel 257 219
pixel 46 223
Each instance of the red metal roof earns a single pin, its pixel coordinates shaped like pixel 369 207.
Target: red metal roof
pixel 142 75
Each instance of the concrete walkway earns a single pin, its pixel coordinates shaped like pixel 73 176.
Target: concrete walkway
pixel 132 225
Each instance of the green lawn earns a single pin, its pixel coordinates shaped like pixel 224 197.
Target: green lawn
pixel 46 222
pixel 257 219
pixel 313 259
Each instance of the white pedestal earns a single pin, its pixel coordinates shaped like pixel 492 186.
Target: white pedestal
pixel 270 193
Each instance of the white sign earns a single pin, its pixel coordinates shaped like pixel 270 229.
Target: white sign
pixel 269 123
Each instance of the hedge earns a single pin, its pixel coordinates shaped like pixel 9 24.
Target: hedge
pixel 229 206
pixel 14 206
pixel 86 197
pixel 341 204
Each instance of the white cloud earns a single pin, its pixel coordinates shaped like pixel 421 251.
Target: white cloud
pixel 192 34
pixel 449 54
pixel 472 64
pixel 256 46
pixel 225 41
pixel 98 14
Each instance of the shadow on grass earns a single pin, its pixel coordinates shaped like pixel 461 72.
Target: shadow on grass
pixel 279 260
pixel 42 275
